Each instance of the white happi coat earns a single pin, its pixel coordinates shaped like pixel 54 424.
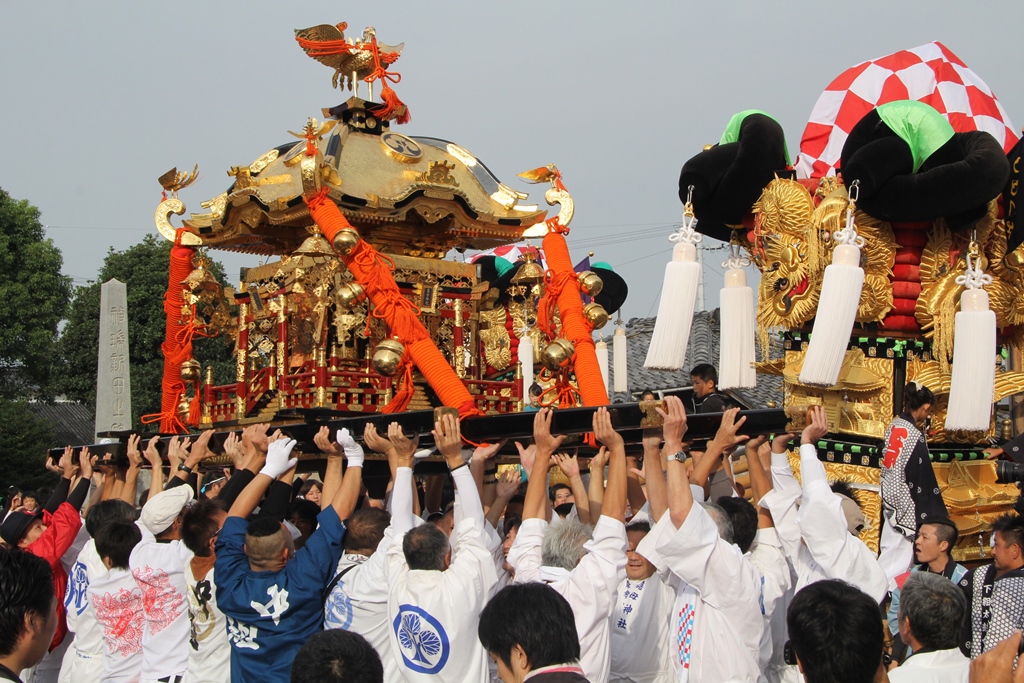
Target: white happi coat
pixel 716 626
pixel 433 615
pixel 814 534
pixel 589 588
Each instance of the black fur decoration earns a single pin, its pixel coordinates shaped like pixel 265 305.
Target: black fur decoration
pixel 727 179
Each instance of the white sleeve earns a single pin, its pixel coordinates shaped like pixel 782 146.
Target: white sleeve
pixel 768 558
pixel 603 568
pixel 699 556
pixel 468 497
pixel 827 537
pixel 782 504
pixel 698 493
pixel 782 474
pixel 472 566
pixel 525 554
pixel 401 502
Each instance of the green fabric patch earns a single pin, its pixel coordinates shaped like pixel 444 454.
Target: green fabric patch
pixel 919 125
pixel 732 130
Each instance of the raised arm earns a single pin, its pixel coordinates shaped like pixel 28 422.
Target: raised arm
pixel 570 467
pixel 654 473
pixel 595 491
pixel 505 487
pixel 448 438
pixel 278 462
pixel 725 438
pixel 534 506
pixel 131 478
pixel 333 451
pixel 481 464
pixel 615 491
pixel 156 482
pixel 347 496
pixel 403 492
pixel 680 498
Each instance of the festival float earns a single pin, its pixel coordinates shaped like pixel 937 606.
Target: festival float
pixel 356 315
pixel 890 252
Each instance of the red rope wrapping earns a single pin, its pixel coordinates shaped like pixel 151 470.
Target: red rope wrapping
pixel 372 270
pixel 177 346
pixel 575 327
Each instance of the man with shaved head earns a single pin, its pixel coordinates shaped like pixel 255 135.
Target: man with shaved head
pixel 271 594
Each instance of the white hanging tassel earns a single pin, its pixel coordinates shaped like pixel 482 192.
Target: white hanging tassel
pixel 667 350
pixel 601 348
pixel 620 348
pixel 974 348
pixel 837 306
pixel 526 361
pixel 736 357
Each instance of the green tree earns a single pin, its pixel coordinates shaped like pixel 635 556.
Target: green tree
pixel 143 269
pixel 33 299
pixel 23 448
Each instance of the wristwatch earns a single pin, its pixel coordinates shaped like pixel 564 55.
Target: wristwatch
pixel 182 467
pixel 678 456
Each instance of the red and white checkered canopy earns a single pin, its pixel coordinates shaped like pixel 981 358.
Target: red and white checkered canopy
pixel 510 252
pixel 930 73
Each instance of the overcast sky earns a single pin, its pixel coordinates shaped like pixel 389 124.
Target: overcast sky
pixel 101 98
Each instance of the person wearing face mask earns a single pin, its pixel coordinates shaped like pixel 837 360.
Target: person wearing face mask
pixel 910 494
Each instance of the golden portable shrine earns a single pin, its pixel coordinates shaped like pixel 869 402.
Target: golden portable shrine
pixel 356 310
pixel 356 316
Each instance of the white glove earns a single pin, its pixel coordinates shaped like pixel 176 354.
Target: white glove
pixel 277 458
pixel 353 451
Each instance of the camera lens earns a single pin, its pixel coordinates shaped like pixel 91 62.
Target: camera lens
pixel 1008 472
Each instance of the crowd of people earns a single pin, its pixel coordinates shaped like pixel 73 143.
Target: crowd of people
pixel 632 571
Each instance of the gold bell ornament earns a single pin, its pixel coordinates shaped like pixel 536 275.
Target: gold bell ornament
pixel 387 357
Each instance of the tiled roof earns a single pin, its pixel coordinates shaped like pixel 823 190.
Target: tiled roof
pixel 703 348
pixel 72 423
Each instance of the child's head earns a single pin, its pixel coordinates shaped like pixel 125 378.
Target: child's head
pixel 115 541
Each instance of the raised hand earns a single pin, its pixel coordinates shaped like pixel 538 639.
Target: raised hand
pixel 134 456
pixel 322 439
pixel 67 462
pixel 152 454
pixel 448 439
pixel 508 484
pixel 817 425
pixel 527 454
pixel 233 449
pixel 780 444
pixel 727 436
pixel 278 460
pixel 569 465
pixel 485 452
pixel 674 425
pixel 604 431
pixel 375 442
pixel 598 462
pixel 404 446
pixel 353 451
pixel 542 438
pixel 85 463
pixel 257 437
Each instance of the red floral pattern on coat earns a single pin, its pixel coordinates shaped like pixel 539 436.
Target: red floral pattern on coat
pixel 161 602
pixel 120 614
